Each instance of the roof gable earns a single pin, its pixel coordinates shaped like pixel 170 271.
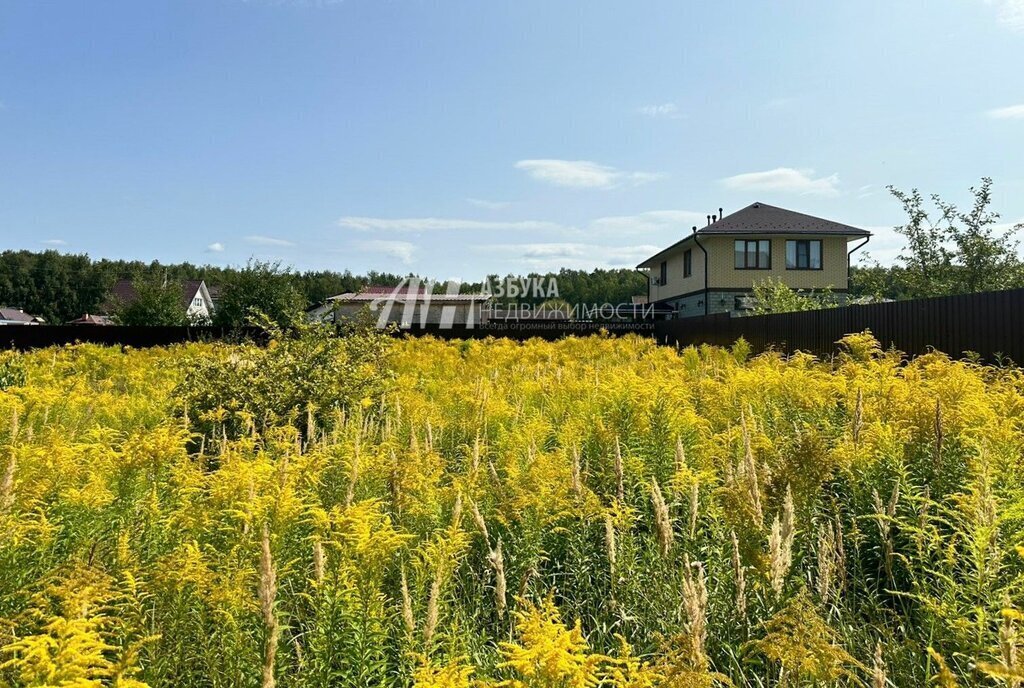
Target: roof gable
pixel 761 218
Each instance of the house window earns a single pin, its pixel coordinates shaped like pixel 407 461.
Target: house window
pixel 663 273
pixel 803 254
pixel 687 262
pixel 197 301
pixel 753 254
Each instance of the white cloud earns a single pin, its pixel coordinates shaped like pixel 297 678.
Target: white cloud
pixel 649 222
pixel 1008 112
pixel 400 250
pixel 54 242
pixel 260 240
pixel 582 174
pixel 665 111
pixel 489 205
pixel 782 102
pixel 784 179
pixel 551 256
pixel 434 224
pixel 215 247
pixel 654 224
pixel 1010 13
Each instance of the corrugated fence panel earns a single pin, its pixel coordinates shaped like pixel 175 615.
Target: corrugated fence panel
pixel 989 324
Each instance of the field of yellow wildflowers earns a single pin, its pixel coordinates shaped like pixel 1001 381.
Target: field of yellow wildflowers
pixel 590 512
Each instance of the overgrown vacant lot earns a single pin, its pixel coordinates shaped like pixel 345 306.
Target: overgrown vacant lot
pixel 355 512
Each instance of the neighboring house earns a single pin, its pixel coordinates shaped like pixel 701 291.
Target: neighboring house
pixel 90 319
pixel 16 316
pixel 404 306
pixel 195 298
pixel 714 269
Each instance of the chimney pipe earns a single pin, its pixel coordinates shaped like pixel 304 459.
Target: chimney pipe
pixel 714 218
pixel 719 213
pixel 709 220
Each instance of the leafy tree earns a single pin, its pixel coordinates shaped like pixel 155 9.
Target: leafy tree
pixel 55 286
pixel 157 302
pixel 771 296
pixel 958 251
pixel 878 281
pixel 262 290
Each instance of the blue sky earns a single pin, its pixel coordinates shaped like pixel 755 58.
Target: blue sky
pixel 459 138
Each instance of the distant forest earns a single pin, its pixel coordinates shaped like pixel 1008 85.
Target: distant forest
pixel 60 287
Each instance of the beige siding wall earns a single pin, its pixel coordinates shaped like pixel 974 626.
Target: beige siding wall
pixel 676 283
pixel 724 275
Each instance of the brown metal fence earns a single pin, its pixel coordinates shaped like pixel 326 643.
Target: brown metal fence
pixel 988 323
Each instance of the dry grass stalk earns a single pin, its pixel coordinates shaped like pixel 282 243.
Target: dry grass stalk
pixel 695 604
pixel 7 483
pixel 474 458
pixel 694 508
pixel 620 489
pixel 318 561
pixel 780 545
pixel 407 616
pixel 886 514
pixel 609 542
pixel 858 417
pixel 493 472
pixel 267 595
pixel 577 481
pixel 747 474
pixel 498 563
pixel 939 435
pixel 827 561
pixel 478 519
pixel 527 579
pixel 1008 643
pixel 739 577
pixel 840 556
pixel 878 678
pixel 310 426
pixel 430 624
pixel 662 519
pixel 457 511
pixel 680 455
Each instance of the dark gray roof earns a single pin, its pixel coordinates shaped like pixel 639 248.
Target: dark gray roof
pixel 761 218
pixel 15 315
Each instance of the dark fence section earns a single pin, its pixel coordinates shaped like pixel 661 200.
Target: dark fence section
pixel 990 324
pixel 25 337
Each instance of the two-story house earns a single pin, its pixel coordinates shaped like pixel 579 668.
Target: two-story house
pixel 714 269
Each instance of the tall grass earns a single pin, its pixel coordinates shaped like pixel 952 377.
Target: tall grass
pixel 587 512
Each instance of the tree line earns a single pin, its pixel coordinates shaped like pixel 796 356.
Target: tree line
pixel 60 287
